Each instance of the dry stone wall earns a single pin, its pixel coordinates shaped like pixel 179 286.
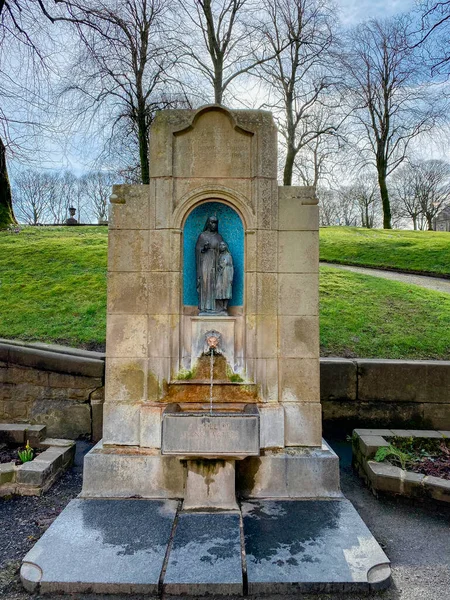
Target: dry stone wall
pixel 44 385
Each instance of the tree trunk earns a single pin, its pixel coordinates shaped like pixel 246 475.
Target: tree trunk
pixel 414 220
pixel 430 223
pixel 143 149
pixel 289 166
pixel 384 197
pixel 218 84
pixel 6 210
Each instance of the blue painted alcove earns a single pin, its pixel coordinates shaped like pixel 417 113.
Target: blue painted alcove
pixel 232 231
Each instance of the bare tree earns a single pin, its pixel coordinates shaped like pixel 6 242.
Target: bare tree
pixel 435 34
pixel 120 75
pixel 392 103
pixel 33 191
pixel 96 189
pixel 433 187
pixel 300 35
pixel 405 194
pixel 228 45
pixel 366 195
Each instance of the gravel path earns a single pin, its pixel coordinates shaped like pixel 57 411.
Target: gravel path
pixel 415 536
pixel 432 283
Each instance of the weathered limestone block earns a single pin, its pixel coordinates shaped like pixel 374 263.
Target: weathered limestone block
pixel 298 294
pixel 158 376
pixel 125 380
pixel 271 423
pixel 266 376
pixel 164 291
pixel 298 251
pixel 266 336
pixel 303 424
pixel 299 380
pixel 299 337
pixel 250 251
pixel 126 336
pixel 127 475
pixel 130 207
pixel 160 328
pixel 266 256
pixel 121 424
pixel 128 250
pixel 127 293
pixel 296 195
pixel 164 250
pixel 197 153
pixel 150 426
pixel 297 218
pixel 266 293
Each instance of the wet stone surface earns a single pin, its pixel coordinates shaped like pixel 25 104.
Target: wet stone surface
pixel 205 556
pixel 319 545
pixel 108 545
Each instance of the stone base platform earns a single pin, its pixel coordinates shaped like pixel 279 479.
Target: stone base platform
pixel 153 547
pixel 297 473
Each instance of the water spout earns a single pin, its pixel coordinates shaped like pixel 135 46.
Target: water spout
pixel 211 376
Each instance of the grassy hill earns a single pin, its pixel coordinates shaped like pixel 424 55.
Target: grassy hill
pixel 414 251
pixel 53 289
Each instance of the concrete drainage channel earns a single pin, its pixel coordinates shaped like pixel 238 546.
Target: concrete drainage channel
pixel 36 476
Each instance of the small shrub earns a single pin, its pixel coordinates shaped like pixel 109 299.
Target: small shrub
pixel 393 455
pixel 26 454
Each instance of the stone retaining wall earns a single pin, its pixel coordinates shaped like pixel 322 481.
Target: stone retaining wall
pixel 62 388
pixel 384 393
pixel 55 386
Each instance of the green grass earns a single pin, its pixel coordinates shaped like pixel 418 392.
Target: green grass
pixel 53 285
pixel 372 317
pixel 425 251
pixel 53 289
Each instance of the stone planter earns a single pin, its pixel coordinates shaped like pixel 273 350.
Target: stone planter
pixel 35 477
pixel 383 477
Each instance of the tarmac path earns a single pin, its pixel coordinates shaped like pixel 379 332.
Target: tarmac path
pixel 438 284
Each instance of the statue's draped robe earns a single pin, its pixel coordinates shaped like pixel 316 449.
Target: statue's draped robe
pixel 207 263
pixel 225 273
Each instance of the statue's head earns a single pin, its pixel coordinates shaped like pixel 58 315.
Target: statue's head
pixel 212 224
pixel 223 247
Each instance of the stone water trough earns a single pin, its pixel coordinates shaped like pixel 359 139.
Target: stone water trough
pixel 225 434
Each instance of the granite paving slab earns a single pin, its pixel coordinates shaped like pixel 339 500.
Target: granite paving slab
pixel 206 555
pixel 102 546
pixel 310 545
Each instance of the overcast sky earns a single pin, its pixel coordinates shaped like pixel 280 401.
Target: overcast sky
pixel 354 11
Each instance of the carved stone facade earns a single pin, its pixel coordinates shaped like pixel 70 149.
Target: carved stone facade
pixel 229 157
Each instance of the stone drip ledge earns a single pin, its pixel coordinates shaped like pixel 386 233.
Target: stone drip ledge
pixel 383 477
pixel 35 477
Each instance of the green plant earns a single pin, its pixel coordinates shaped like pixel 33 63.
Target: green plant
pixel 184 374
pixel 26 454
pixel 393 455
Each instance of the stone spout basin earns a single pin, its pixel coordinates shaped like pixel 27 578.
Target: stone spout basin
pixel 190 434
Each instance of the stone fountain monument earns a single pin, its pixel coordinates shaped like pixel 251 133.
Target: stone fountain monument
pixel 212 385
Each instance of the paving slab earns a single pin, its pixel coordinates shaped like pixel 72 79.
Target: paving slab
pixel 310 546
pixel 206 555
pixel 102 546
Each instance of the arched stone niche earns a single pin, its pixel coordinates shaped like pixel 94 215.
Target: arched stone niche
pixel 231 229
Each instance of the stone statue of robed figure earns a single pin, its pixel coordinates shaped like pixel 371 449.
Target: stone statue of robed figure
pixel 214 270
